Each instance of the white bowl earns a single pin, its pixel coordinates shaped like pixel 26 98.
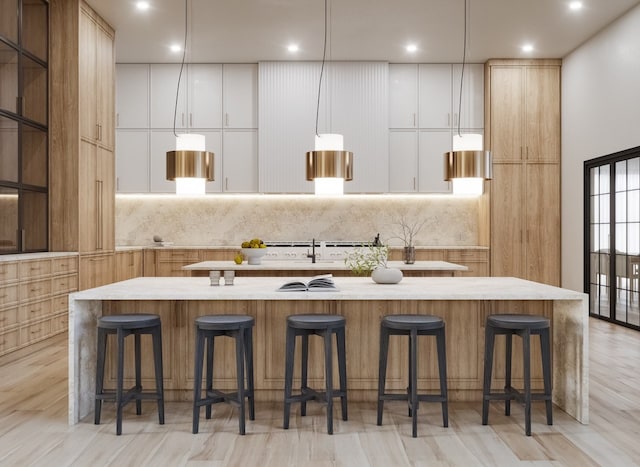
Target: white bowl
pixel 254 255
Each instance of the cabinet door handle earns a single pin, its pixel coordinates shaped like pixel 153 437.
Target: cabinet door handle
pixel 97 132
pixel 520 152
pixel 190 119
pixel 414 183
pixel 448 119
pixel 226 119
pixel 226 183
pixel 414 119
pixel 527 152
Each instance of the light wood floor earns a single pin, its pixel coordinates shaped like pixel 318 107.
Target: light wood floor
pixel 34 430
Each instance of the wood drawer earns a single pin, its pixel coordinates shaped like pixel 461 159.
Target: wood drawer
pixel 178 255
pixel 64 284
pixel 35 332
pixel 34 269
pixel 8 272
pixel 9 341
pixel 172 269
pixel 476 269
pixel 34 311
pixel 60 304
pixel 64 265
pixel 59 323
pixel 8 317
pixel 467 255
pixel 34 290
pixel 8 295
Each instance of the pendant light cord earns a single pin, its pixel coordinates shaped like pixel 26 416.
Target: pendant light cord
pixel 464 57
pixel 324 54
pixel 184 54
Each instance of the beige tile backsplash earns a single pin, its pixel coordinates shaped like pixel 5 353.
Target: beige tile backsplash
pixel 216 220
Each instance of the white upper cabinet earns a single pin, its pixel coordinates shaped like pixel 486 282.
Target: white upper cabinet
pixel 132 96
pixel 240 95
pixel 132 161
pixel 403 161
pixel 472 109
pixel 433 145
pixel 204 107
pixel 199 99
pixel 240 161
pixel 161 141
pixel 213 143
pixel 164 85
pixel 435 86
pixel 403 96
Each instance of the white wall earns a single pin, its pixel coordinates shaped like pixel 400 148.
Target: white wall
pixel 600 116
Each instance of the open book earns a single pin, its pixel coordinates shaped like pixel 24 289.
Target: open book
pixel 316 284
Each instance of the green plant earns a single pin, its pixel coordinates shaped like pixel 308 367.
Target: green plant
pixel 363 260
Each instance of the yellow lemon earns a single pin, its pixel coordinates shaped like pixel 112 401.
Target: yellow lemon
pixel 238 259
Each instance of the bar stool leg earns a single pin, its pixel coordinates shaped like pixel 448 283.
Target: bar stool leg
pixel 413 359
pixel 102 350
pixel 507 375
pixel 442 367
pixel 342 370
pixel 488 366
pixel 157 360
pixel 382 369
pixel 239 335
pixel 210 347
pixel 409 412
pixel 138 365
pixel 526 354
pixel 288 376
pixel 545 345
pixel 328 365
pixel 248 355
pixel 304 366
pixel 197 376
pixel 120 382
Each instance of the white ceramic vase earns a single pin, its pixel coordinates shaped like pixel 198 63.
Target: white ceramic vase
pixel 382 275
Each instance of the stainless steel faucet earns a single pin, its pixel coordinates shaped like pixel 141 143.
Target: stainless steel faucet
pixel 313 251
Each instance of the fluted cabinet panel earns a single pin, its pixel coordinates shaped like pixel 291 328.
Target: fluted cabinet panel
pixel 354 103
pixel 360 112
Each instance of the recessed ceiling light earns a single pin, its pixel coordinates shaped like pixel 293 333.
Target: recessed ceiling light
pixel 143 6
pixel 175 48
pixel 527 48
pixel 293 47
pixel 575 6
pixel 411 48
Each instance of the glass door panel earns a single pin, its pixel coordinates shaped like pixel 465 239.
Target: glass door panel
pixel 613 204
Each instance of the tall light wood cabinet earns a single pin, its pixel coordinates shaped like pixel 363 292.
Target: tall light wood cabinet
pixel 523 134
pixel 82 164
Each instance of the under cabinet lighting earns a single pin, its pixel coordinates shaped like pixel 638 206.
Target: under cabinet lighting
pixel 527 48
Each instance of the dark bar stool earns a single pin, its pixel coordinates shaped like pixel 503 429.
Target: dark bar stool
pixel 238 327
pixel 122 326
pixel 413 326
pixel 523 326
pixel 324 326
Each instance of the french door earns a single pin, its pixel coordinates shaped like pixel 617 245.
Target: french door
pixel 612 237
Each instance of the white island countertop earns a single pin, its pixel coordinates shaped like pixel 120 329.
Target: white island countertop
pixel 274 265
pixel 350 288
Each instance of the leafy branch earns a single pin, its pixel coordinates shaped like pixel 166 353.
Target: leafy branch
pixel 362 261
pixel 408 230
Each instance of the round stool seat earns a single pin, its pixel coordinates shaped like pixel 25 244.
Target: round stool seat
pixel 224 322
pixel 405 322
pixel 315 321
pixel 133 321
pixel 518 321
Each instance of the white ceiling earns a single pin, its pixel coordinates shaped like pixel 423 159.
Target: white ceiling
pixel 253 30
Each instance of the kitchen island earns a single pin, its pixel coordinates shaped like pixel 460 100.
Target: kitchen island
pixel 306 268
pixel 464 303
